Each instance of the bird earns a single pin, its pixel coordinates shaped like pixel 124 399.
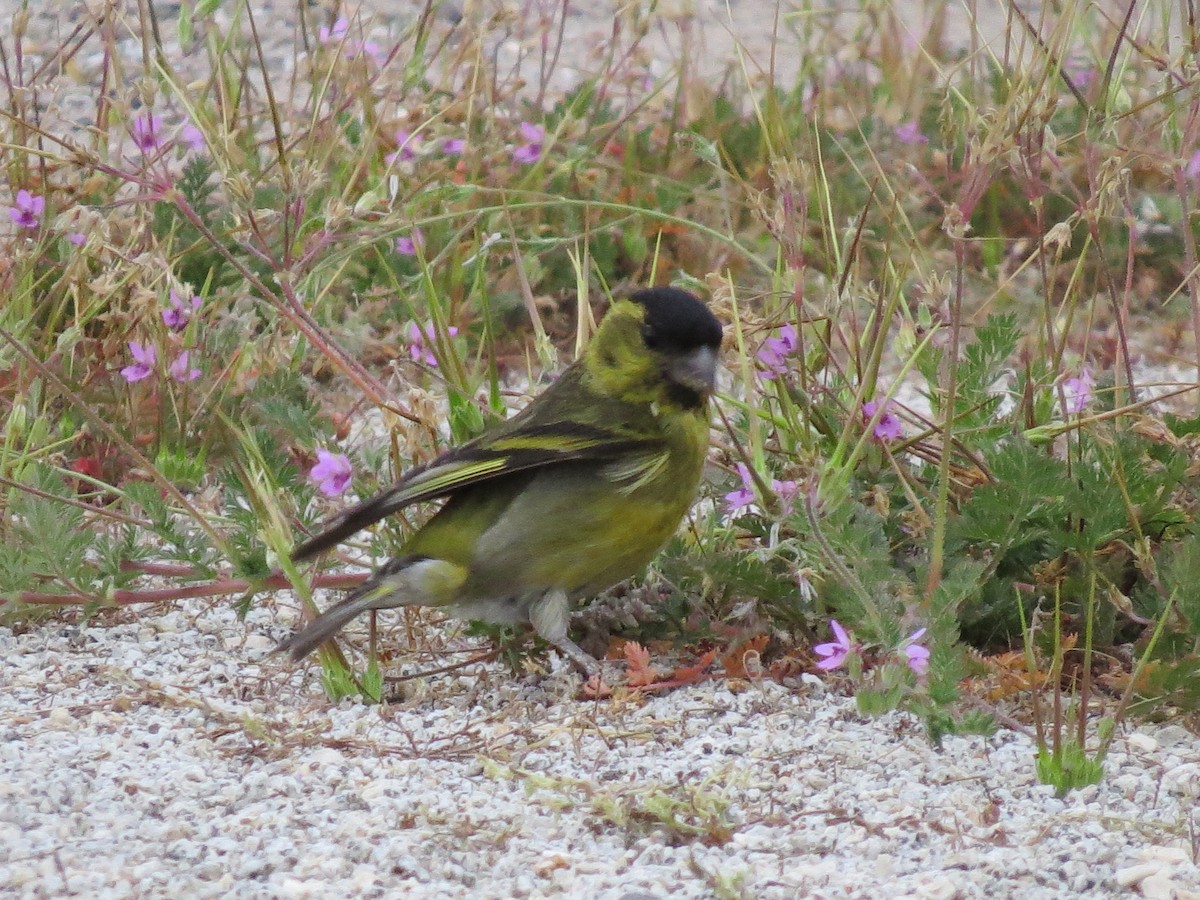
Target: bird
pixel 572 495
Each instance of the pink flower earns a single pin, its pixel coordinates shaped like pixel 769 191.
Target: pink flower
pixel 454 146
pixel 736 501
pixel 1081 72
pixel 1193 166
pixel 176 315
pixel 192 137
pixel 1078 390
pixel 888 428
pixel 78 238
pixel 146 132
pixel 372 50
pixel 743 497
pixel 909 133
pixel 406 148
pixel 531 150
pixel 917 656
pixel 419 340
pixel 332 473
pixel 834 653
pixel 786 492
pixel 180 370
pixel 144 361
pixel 406 245
pixel 772 355
pixel 27 213
pixel 332 35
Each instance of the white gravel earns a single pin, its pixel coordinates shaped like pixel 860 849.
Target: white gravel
pixel 168 754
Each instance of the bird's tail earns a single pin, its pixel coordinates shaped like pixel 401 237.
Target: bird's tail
pixel 326 625
pixel 406 581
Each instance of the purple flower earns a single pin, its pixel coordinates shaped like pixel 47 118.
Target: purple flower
pixel 743 497
pixel 910 133
pixel 144 361
pixel 371 50
pixel 454 146
pixel 1078 390
pixel 406 245
pixel 78 238
pixel 419 340
pixel 27 213
pixel 1193 166
pixel 180 370
pixel 1081 72
pixel 786 492
pixel 332 35
pixel 889 427
pixel 531 150
pixel 772 355
pixel 192 137
pixel 176 315
pixel 736 501
pixel 406 148
pixel 917 656
pixel 834 653
pixel 332 473
pixel 146 132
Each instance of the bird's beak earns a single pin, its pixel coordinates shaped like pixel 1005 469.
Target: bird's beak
pixel 696 370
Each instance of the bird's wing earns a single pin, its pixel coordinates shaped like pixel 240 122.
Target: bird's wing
pixel 532 444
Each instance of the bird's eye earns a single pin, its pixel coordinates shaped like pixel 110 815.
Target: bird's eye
pixel 649 337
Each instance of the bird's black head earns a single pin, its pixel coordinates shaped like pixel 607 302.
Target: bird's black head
pixel 659 346
pixel 684 336
pixel 677 322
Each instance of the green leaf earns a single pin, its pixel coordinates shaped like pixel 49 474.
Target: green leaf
pixel 1179 569
pixel 206 8
pixel 185 468
pixel 183 28
pixel 466 419
pixel 1028 494
pixel 1069 768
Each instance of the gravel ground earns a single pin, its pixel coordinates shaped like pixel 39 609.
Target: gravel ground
pixel 760 41
pixel 171 754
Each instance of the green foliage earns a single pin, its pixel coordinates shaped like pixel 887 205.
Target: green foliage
pixel 177 541
pixel 872 597
pixel 940 724
pixel 740 136
pixel 1060 524
pixel 1068 767
pixel 718 581
pixel 181 467
pixel 198 263
pixel 372 682
pixel 466 419
pixel 975 399
pixel 1172 682
pixel 680 815
pixel 1172 677
pixel 1010 523
pixel 339 682
pixel 284 406
pixel 47 543
pixel 1179 573
pixel 516 645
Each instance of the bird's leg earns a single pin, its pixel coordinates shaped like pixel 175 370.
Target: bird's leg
pixel 549 615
